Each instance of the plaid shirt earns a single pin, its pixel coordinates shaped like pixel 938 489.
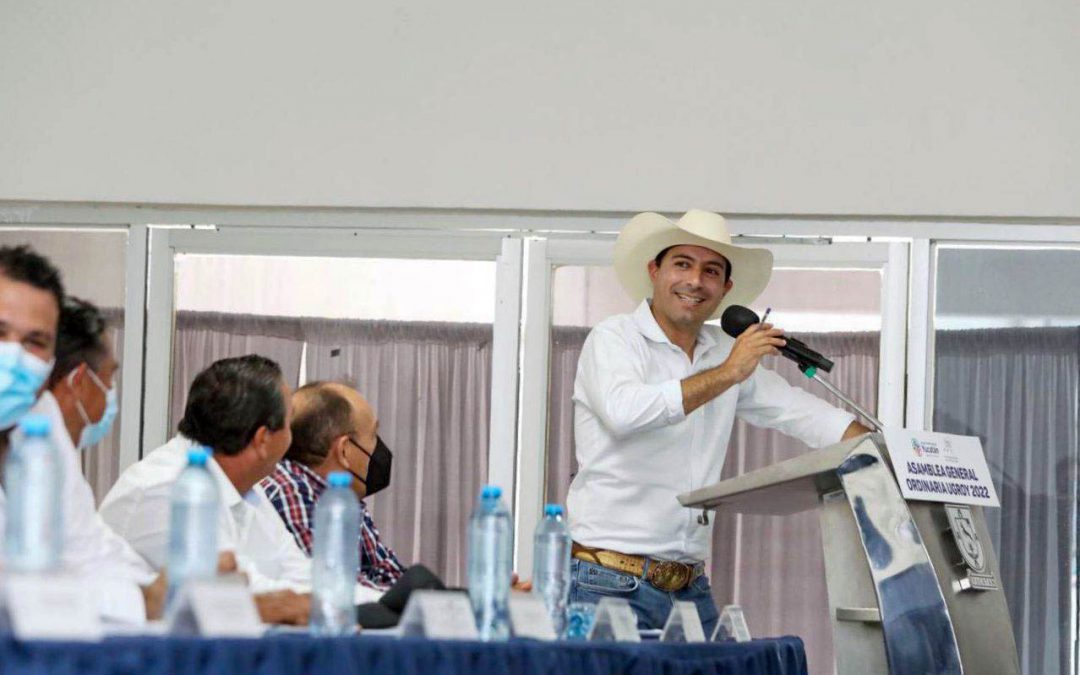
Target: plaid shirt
pixel 294 489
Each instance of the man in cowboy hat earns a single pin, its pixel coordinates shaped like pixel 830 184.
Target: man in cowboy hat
pixel 655 397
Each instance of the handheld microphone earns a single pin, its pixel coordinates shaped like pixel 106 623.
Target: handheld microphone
pixel 736 319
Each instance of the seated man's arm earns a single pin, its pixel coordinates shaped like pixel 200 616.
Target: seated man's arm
pixel 378 563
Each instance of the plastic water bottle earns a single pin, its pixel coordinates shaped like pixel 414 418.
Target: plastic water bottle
pixel 551 565
pixel 335 558
pixel 490 564
pixel 193 523
pixel 33 483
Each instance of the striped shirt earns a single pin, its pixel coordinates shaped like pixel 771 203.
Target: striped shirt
pixel 294 489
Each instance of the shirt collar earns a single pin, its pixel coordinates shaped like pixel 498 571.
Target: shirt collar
pixel 648 327
pixel 229 494
pixel 303 473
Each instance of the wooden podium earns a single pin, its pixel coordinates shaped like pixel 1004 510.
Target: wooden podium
pixel 913 587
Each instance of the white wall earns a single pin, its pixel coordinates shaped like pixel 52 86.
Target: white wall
pixel 850 106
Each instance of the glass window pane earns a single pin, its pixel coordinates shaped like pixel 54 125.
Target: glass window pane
pixel 92 264
pixel 835 310
pixel 1007 363
pixel 413 336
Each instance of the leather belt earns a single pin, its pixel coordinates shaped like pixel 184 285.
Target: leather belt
pixel 667 575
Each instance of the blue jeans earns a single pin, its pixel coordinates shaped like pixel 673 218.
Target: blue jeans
pixel 591 582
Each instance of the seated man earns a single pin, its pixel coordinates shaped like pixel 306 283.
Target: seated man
pixel 334 429
pixel 80 400
pixel 238 407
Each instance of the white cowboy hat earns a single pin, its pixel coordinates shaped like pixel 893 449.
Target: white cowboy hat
pixel 647 234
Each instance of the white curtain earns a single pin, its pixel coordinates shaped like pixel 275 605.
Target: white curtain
pixel 430 385
pixel 772 566
pixel 1018 390
pixel 204 337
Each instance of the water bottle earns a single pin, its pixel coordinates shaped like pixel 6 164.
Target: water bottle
pixel 193 523
pixel 335 558
pixel 490 562
pixel 551 565
pixel 33 483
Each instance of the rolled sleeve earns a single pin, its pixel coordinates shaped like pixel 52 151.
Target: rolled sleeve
pixel 767 400
pixel 611 383
pixel 673 398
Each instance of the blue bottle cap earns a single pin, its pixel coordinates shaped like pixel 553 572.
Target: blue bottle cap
pixel 553 510
pixel 197 457
pixel 34 425
pixel 339 479
pixel 491 492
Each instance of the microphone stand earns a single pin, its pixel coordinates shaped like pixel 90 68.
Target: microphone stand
pixel 812 373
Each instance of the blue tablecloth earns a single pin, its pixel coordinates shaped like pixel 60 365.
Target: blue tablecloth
pixel 286 654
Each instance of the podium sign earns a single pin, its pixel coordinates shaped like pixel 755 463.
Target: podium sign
pixel 934 467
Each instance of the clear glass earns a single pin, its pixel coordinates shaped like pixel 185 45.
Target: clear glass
pixel 334 561
pixel 830 309
pixel 1006 369
pixel 414 336
pixel 193 523
pixel 551 568
pixel 490 561
pixel 92 261
pixel 34 535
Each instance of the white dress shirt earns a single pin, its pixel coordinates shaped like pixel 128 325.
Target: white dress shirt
pixel 637 448
pixel 92 550
pixel 138 506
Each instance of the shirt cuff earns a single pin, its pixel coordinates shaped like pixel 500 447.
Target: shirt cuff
pixel 673 401
pixel 836 425
pixel 120 601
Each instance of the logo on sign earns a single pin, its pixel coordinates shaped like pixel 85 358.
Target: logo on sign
pixel 922 448
pixel 963 531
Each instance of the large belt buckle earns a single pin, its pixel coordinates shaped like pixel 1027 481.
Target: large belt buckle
pixel 669 576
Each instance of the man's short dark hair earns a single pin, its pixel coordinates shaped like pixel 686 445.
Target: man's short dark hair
pixel 24 264
pixel 80 338
pixel 323 416
pixel 727 270
pixel 230 400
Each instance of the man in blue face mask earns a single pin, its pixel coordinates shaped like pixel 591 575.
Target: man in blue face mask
pixel 83 381
pixel 30 296
pixel 80 399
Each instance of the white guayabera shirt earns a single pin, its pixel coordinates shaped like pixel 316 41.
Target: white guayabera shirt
pixel 114 571
pixel 637 449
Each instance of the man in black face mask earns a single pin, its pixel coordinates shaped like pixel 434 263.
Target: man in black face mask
pixel 334 429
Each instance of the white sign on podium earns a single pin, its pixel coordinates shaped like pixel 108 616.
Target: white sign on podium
pixel 935 467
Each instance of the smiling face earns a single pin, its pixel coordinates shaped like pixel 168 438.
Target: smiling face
pixel 688 286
